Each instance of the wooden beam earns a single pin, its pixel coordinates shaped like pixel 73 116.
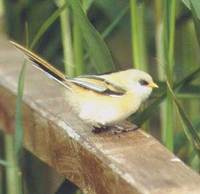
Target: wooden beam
pixel 130 163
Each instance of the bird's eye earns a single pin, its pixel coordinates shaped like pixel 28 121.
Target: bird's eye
pixel 143 82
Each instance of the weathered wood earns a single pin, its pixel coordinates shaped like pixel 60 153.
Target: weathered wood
pixel 103 163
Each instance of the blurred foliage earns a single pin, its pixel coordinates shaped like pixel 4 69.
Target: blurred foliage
pixel 165 35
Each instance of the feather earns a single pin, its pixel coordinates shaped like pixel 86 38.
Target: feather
pixel 41 63
pixel 91 82
pixel 98 84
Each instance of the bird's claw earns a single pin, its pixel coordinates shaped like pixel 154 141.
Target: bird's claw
pixel 116 129
pixel 121 129
pixel 100 129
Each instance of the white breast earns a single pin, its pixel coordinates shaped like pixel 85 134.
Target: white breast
pixel 104 110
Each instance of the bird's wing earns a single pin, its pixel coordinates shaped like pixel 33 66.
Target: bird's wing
pixel 98 84
pixel 42 64
pixel 91 82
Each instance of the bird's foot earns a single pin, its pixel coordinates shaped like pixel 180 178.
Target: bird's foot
pixel 124 126
pixel 100 129
pixel 116 129
pixel 121 129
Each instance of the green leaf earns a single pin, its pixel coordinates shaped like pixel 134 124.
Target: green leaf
pixel 112 25
pixel 140 117
pixel 18 136
pixel 111 8
pixel 191 133
pixel 195 162
pixel 116 21
pixel 66 38
pixel 47 24
pixel 3 163
pixel 98 51
pixel 86 4
pixel 194 6
pixel 187 3
pixel 190 91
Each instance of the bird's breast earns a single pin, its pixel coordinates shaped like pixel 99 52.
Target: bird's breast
pixel 95 108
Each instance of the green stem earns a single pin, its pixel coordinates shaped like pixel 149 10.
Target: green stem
pixel 139 53
pixel 78 48
pixel 160 51
pixel 114 23
pixel 172 15
pixel 1 8
pixel 142 40
pixel 13 174
pixel 134 28
pixel 3 163
pixel 138 35
pixel 46 25
pixel 168 37
pixel 87 4
pixel 111 26
pixel 159 34
pixel 66 39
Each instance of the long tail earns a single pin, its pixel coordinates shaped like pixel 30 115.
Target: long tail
pixel 42 64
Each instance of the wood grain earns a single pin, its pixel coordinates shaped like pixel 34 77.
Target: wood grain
pixel 130 163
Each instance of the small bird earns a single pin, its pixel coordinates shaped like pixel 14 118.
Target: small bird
pixel 101 100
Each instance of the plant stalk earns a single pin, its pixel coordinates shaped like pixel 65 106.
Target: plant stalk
pixel 13 174
pixel 139 54
pixel 168 46
pixel 66 40
pixel 78 48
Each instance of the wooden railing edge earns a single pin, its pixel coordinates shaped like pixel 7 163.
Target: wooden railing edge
pixel 104 163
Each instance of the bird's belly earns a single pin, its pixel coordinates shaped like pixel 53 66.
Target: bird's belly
pixel 100 113
pixel 107 110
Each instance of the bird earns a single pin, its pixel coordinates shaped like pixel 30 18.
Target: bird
pixel 100 100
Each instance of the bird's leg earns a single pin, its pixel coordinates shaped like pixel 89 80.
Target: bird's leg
pixel 116 129
pixel 120 129
pixel 100 129
pixel 124 127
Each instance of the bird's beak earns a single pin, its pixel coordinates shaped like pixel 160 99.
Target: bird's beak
pixel 153 85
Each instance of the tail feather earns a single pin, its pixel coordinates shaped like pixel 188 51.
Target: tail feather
pixel 41 63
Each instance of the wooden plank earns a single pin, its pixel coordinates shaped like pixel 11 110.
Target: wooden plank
pixel 103 163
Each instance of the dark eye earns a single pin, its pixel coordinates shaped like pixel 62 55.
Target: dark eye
pixel 143 82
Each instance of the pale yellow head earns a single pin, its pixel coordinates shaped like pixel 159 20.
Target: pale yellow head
pixel 135 81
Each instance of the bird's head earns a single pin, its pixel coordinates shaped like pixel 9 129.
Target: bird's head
pixel 138 82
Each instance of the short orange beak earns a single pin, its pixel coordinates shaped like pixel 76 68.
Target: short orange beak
pixel 153 85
